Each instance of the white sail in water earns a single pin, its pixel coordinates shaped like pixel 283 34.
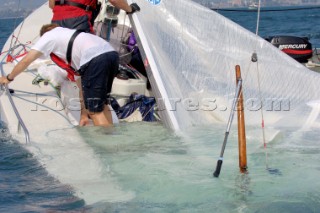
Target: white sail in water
pixel 192 52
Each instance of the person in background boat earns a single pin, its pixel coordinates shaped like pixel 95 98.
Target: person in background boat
pixel 102 20
pixel 94 59
pixel 80 14
pixel 123 5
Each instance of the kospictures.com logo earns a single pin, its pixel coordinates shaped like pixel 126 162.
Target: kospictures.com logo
pixel 154 2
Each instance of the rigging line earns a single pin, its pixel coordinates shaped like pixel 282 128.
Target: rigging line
pixel 258 17
pixel 261 109
pixel 14 26
pixel 17 37
pixel 123 26
pixel 262 118
pixel 34 93
pixel 264 10
pixel 255 60
pixel 49 108
pixel 255 48
pixel 55 130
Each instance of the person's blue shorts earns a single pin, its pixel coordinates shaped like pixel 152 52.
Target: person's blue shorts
pixel 96 78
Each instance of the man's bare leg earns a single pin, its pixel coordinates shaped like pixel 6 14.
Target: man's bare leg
pixel 84 115
pixel 107 113
pixel 103 118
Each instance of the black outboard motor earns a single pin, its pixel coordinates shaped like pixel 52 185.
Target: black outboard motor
pixel 298 48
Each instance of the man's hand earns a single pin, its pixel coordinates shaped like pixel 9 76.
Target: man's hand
pixel 134 7
pixel 21 66
pixel 4 81
pixel 84 120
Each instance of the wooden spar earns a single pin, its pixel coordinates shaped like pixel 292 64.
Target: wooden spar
pixel 241 127
pixel 238 99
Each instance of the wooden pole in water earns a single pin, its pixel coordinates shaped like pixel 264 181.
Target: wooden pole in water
pixel 241 127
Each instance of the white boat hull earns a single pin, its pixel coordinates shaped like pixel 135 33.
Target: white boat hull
pixel 51 121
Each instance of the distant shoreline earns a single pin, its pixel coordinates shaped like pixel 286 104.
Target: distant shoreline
pixel 266 9
pixel 270 6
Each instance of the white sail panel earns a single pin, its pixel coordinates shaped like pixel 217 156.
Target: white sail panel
pixel 192 53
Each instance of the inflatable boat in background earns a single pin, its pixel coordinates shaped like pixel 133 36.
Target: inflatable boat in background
pixel 299 48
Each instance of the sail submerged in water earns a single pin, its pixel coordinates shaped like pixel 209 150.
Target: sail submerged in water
pixel 192 52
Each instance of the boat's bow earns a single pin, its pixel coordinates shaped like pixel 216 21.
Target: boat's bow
pixel 49 115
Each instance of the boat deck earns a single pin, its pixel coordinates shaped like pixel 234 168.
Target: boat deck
pixel 38 105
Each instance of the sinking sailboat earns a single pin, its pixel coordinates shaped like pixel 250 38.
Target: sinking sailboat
pixel 42 111
pixel 190 54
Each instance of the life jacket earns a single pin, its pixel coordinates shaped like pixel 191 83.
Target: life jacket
pixel 62 64
pixel 74 14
